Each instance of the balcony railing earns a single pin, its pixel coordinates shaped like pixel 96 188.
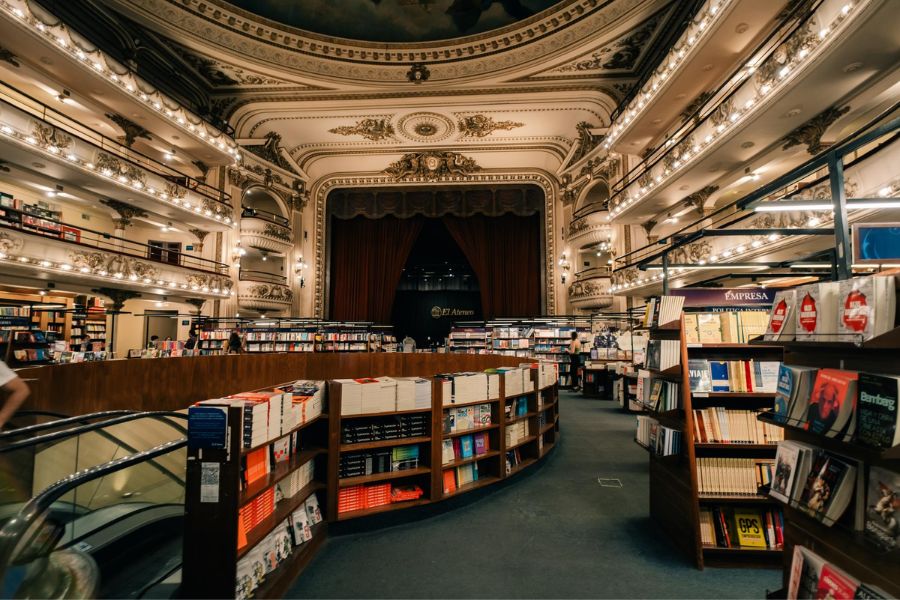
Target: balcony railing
pixel 248 212
pixel 17 220
pixel 591 288
pixel 35 126
pixel 262 277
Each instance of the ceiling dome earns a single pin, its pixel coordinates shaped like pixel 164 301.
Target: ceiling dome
pixel 396 21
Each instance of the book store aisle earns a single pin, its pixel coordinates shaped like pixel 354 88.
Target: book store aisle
pixel 558 535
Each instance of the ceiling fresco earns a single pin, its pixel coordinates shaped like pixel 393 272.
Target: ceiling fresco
pixel 396 20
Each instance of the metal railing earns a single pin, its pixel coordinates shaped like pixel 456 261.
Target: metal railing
pixel 262 277
pixel 592 272
pixel 89 238
pixel 248 212
pixel 39 110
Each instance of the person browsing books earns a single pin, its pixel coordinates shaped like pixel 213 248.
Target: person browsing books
pixel 409 344
pixel 575 358
pixel 16 392
pixel 235 341
pixel 191 342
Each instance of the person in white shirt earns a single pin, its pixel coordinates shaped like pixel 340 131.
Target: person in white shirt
pixel 409 344
pixel 16 389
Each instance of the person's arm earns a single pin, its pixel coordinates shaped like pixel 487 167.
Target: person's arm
pixel 18 391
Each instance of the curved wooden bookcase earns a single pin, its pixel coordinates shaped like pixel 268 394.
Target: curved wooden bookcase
pixel 211 528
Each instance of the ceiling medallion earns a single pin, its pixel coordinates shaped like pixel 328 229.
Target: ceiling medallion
pixel 425 127
pixel 431 166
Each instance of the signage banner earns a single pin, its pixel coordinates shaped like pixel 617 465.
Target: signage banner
pixel 725 297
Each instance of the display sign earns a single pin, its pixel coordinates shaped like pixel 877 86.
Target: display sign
pixel 725 297
pixel 876 243
pixel 207 426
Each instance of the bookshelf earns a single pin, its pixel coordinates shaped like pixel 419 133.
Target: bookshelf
pixel 691 497
pixel 842 543
pixel 469 340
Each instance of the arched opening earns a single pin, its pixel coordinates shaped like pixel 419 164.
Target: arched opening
pixel 259 201
pixel 593 198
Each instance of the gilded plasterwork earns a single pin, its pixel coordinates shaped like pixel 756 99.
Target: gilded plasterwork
pixel 375 130
pixel 482 125
pixel 432 166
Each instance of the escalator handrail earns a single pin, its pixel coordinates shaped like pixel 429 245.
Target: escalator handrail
pixel 66 420
pixel 13 532
pixel 162 415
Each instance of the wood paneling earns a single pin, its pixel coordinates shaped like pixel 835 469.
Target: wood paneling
pixel 175 383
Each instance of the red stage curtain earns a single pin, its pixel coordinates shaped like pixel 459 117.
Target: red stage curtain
pixel 367 260
pixel 505 253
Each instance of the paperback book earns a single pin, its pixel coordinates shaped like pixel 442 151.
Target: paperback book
pixel 883 508
pixel 877 414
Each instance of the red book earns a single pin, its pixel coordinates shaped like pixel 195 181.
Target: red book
pixel 449 481
pixel 835 585
pixel 257 465
pixel 832 402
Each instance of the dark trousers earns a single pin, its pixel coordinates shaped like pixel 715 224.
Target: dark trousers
pixel 575 364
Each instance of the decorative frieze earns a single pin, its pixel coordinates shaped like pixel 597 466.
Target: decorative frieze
pixel 375 130
pixel 811 132
pixel 432 166
pixel 482 125
pixel 131 129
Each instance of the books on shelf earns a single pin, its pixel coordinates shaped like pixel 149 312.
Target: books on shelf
pixel 360 497
pixel 877 414
pixel 883 507
pixel 390 427
pixel 795 385
pixel 782 323
pixel 664 395
pixel 463 447
pixel 832 404
pixel 461 388
pixel 737 376
pixel 663 354
pixel 817 312
pixel 657 438
pixel 457 477
pixel 727 327
pixel 464 418
pixel 816 481
pixel 413 393
pixel 733 476
pixel 718 425
pixel 517 432
pixel 367 395
pixel 811 576
pixel 722 527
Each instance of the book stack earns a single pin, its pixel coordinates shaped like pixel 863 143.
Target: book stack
pixel 664 395
pixel 733 476
pixel 741 528
pixel 513 459
pixel 357 464
pixel 385 428
pixel 462 388
pixel 717 425
pixel 516 432
pixel 465 418
pixel 359 497
pixel 299 478
pixel 816 481
pixel 738 376
pixel 814 577
pixel 514 380
pixel 413 393
pixel 367 395
pixel 253 513
pixel 663 354
pixel 404 458
pixel 729 327
pixel 254 421
pixel 255 466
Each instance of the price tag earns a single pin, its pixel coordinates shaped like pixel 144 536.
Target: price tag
pixel 701 394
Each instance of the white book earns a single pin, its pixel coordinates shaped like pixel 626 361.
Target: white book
pixel 782 323
pixel 351 396
pixel 817 312
pixel 866 307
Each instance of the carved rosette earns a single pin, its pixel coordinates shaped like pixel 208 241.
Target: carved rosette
pixel 264 297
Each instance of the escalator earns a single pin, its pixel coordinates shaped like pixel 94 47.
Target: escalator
pixel 92 505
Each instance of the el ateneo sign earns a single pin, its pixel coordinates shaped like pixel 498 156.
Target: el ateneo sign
pixel 725 297
pixel 438 312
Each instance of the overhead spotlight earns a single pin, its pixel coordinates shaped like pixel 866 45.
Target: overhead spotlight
pixel 169 154
pixel 265 256
pixel 65 97
pixel 42 292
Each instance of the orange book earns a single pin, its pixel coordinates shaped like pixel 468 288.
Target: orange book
pixel 257 465
pixel 832 403
pixel 449 481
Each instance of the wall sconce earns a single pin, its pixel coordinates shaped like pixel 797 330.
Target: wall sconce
pixel 299 267
pixel 565 266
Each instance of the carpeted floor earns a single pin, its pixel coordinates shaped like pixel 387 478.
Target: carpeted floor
pixel 551 533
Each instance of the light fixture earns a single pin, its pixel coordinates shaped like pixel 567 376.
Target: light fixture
pixel 64 96
pixel 265 256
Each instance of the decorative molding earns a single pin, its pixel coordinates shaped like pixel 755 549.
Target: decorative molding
pixel 131 129
pixel 431 166
pixel 125 211
pixel 111 166
pixel 270 151
pixel 693 109
pixel 482 125
pixel 698 199
pixel 432 204
pixel 50 137
pixel 277 231
pixel 591 293
pixel 203 168
pixel 418 73
pixel 113 263
pixel 200 235
pixel 205 283
pixel 375 130
pixel 811 132
pixel 425 127
pixel 586 141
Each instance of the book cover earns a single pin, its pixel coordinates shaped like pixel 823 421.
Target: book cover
pixel 709 326
pixel 781 323
pixel 867 591
pixel 806 568
pixel 312 510
pixel 883 508
pixel 447 455
pixel 877 414
pixel 749 529
pixel 832 402
pixel 718 371
pixel 786 464
pixel 467 447
pixel 449 481
pixel 824 485
pixel 817 312
pixel 834 583
pixel 481 443
pixel 698 370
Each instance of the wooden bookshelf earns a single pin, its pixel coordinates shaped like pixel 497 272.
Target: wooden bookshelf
pixel 840 543
pixel 387 476
pixel 675 500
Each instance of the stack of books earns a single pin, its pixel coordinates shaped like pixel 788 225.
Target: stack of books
pixel 359 497
pixel 462 388
pixel 460 476
pixel 662 311
pixel 413 393
pixel 253 513
pixel 733 476
pixel 516 432
pixel 385 428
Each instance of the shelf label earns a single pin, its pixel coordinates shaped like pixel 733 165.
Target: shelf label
pixel 701 394
pixel 209 482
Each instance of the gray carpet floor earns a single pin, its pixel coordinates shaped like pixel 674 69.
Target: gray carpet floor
pixel 552 532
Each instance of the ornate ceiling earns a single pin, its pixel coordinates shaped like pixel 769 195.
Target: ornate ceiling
pixel 395 20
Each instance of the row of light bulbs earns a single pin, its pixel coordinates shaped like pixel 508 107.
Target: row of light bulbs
pixel 134 184
pixel 635 192
pixel 99 63
pixel 676 55
pixel 102 272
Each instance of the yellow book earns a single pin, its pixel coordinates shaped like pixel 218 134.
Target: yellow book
pixel 750 529
pixel 709 328
pixel 691 335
